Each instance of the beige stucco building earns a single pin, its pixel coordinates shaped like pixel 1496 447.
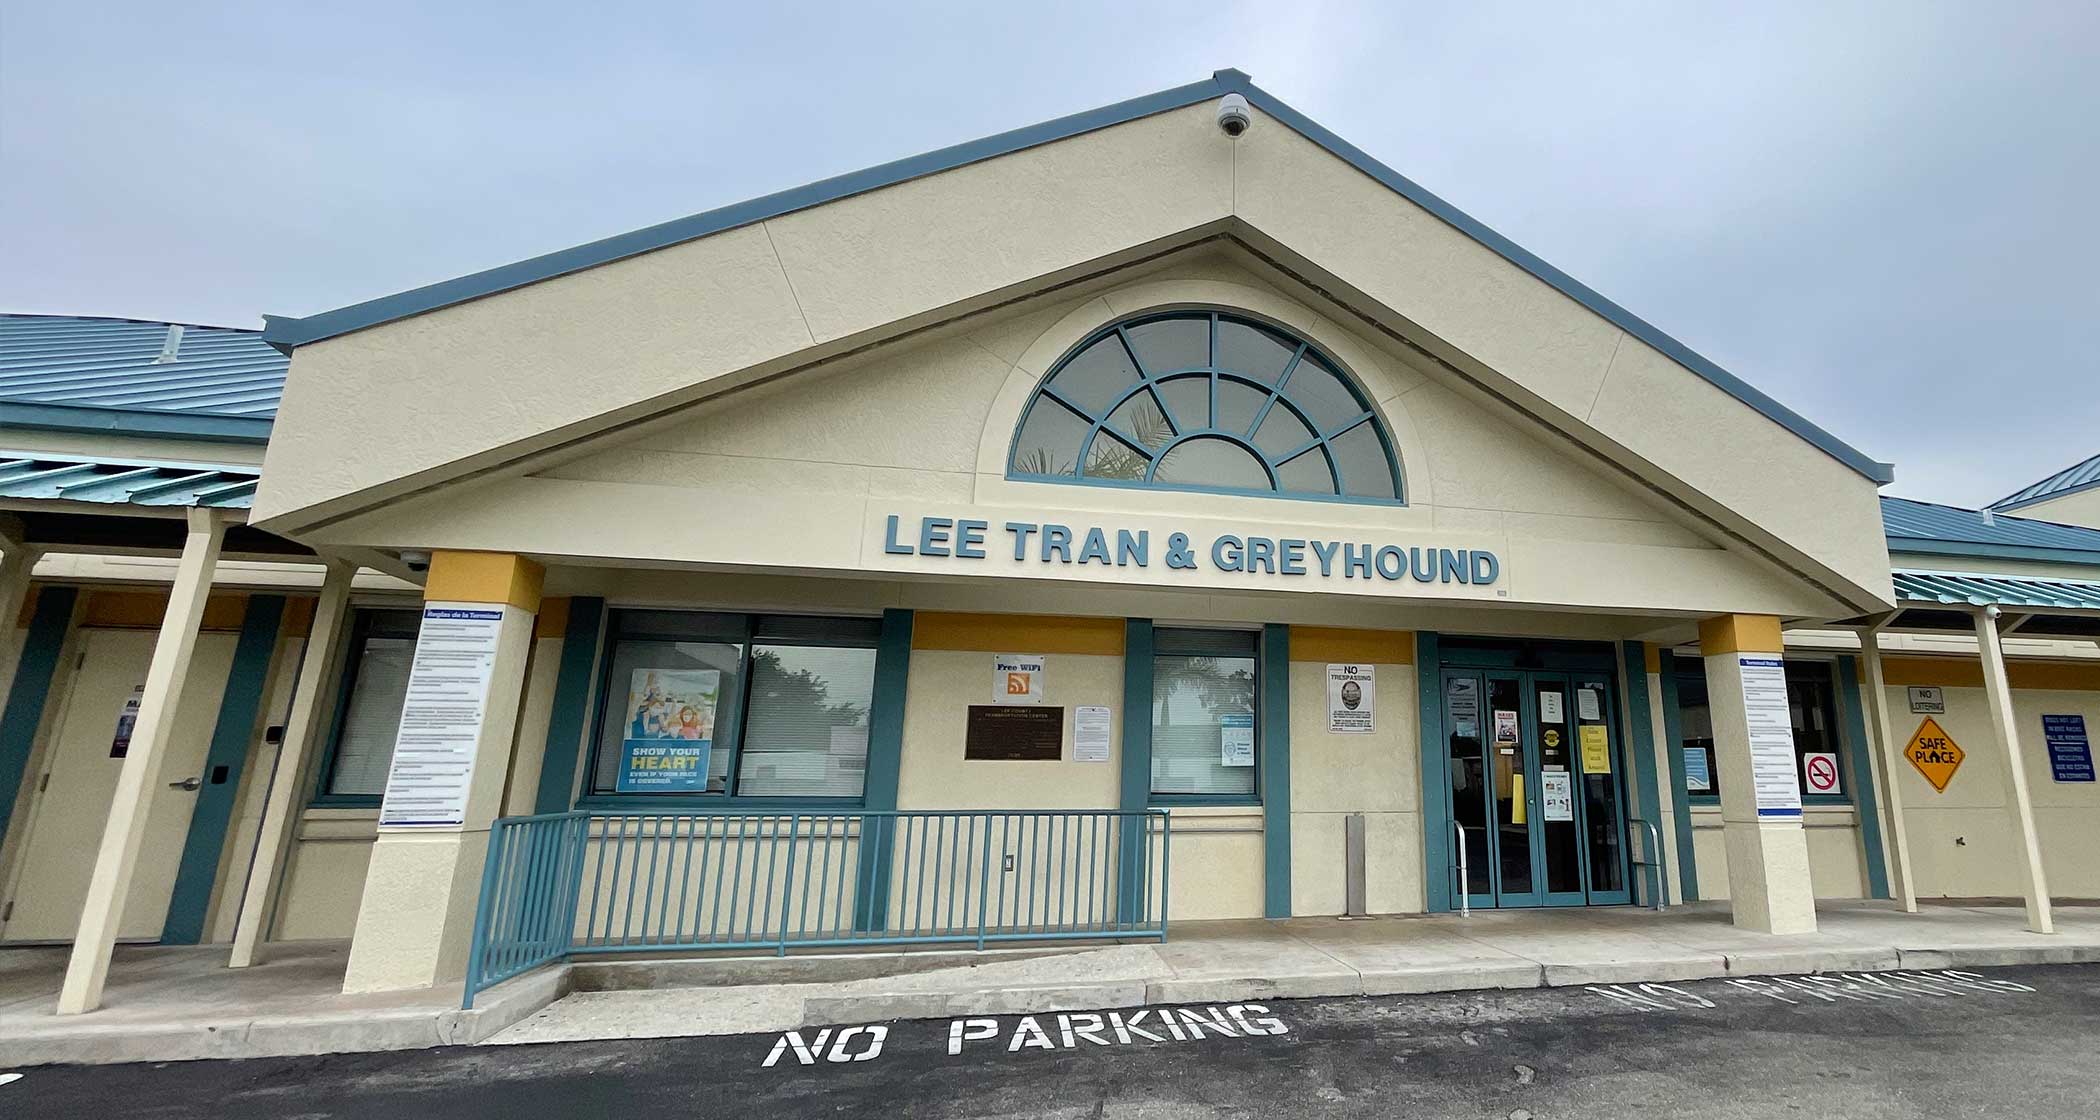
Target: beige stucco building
pixel 1116 521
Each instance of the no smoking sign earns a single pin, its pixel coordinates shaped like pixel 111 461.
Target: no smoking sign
pixel 1821 771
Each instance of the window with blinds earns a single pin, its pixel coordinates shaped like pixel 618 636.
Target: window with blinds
pixel 1203 713
pixel 383 647
pixel 782 701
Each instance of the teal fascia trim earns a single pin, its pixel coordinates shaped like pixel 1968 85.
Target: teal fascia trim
pixel 1642 739
pixel 885 759
pixel 1921 546
pixel 1860 763
pixel 1276 769
pixel 1135 780
pixel 572 705
pixel 134 422
pixel 240 709
pixel 34 672
pixel 285 333
pixel 2007 505
pixel 1680 801
pixel 1436 777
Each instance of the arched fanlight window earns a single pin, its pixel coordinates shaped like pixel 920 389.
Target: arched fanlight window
pixel 1206 400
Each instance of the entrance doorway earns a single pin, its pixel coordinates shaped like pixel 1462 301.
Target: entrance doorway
pixel 1536 786
pixel 78 777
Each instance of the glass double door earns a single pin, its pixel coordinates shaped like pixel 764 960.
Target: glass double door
pixel 1535 786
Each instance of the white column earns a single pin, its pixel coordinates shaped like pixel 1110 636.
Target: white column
pixel 125 830
pixel 1882 754
pixel 1768 878
pixel 1997 693
pixel 416 918
pixel 302 729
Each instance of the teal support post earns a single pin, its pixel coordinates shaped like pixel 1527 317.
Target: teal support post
pixel 1681 807
pixel 878 834
pixel 1642 737
pixel 1436 776
pixel 1860 766
pixel 572 705
pixel 25 701
pixel 240 710
pixel 1276 769
pixel 1135 777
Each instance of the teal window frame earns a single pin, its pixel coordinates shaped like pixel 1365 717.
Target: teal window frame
pixel 1184 430
pixel 745 630
pixel 362 625
pixel 1172 641
pixel 1694 670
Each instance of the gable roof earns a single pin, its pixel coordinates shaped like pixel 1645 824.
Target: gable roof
pixel 2070 480
pixel 287 333
pixel 1927 527
pixel 138 376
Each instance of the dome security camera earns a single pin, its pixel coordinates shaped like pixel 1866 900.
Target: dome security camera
pixel 1234 117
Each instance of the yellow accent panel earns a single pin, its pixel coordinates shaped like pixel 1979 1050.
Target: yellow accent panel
pixel 484 577
pixel 143 610
pixel 1950 672
pixel 1652 657
pixel 298 617
pixel 553 618
pixel 1366 647
pixel 1017 633
pixel 1740 633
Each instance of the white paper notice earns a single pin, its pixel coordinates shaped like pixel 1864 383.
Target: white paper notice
pixel 1236 740
pixel 1772 772
pixel 448 692
pixel 1557 789
pixel 1550 709
pixel 1587 706
pixel 1090 733
pixel 1352 693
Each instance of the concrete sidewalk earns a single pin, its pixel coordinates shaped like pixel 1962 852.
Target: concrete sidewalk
pixel 172 1004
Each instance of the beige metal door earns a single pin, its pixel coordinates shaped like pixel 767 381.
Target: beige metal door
pixel 79 775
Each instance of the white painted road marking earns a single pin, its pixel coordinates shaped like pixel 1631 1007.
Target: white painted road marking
pixel 1841 987
pixel 1043 1032
pixel 9 1078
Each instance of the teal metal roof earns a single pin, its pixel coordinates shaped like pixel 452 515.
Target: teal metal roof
pixel 287 333
pixel 139 377
pixel 126 482
pixel 1926 527
pixel 2026 592
pixel 2070 480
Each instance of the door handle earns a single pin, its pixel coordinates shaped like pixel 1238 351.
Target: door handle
pixel 190 784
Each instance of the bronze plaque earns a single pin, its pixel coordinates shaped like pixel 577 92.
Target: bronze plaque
pixel 1015 732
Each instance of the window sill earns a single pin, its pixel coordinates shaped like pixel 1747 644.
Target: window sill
pixel 344 801
pixel 698 806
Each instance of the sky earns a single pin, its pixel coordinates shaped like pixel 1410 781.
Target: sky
pixel 1880 214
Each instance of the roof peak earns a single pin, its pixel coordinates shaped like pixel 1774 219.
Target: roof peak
pixel 2081 475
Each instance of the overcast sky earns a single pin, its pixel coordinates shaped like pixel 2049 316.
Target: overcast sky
pixel 1882 215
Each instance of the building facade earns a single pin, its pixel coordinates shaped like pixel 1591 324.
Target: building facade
pixel 1113 471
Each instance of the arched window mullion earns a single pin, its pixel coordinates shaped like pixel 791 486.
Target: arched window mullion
pixel 1276 390
pixel 1242 442
pixel 1070 405
pixel 1348 427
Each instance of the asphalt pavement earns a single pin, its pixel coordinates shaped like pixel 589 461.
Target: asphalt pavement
pixel 1986 1042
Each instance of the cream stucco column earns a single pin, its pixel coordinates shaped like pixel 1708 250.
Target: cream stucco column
pixel 125 831
pixel 1768 879
pixel 1997 693
pixel 1883 755
pixel 417 914
pixel 302 729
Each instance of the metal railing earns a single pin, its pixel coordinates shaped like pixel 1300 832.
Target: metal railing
pixel 562 884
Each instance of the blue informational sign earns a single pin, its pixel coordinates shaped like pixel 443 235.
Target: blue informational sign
pixel 2070 755
pixel 663 766
pixel 1697 777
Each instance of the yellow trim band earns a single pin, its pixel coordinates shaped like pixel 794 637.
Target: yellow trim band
pixel 1951 672
pixel 484 577
pixel 552 621
pixel 1016 633
pixel 1652 657
pixel 1356 647
pixel 1740 633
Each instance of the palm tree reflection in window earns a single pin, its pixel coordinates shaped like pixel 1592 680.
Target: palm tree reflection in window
pixel 1206 400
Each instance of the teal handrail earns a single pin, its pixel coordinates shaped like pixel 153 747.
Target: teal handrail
pixel 745 880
